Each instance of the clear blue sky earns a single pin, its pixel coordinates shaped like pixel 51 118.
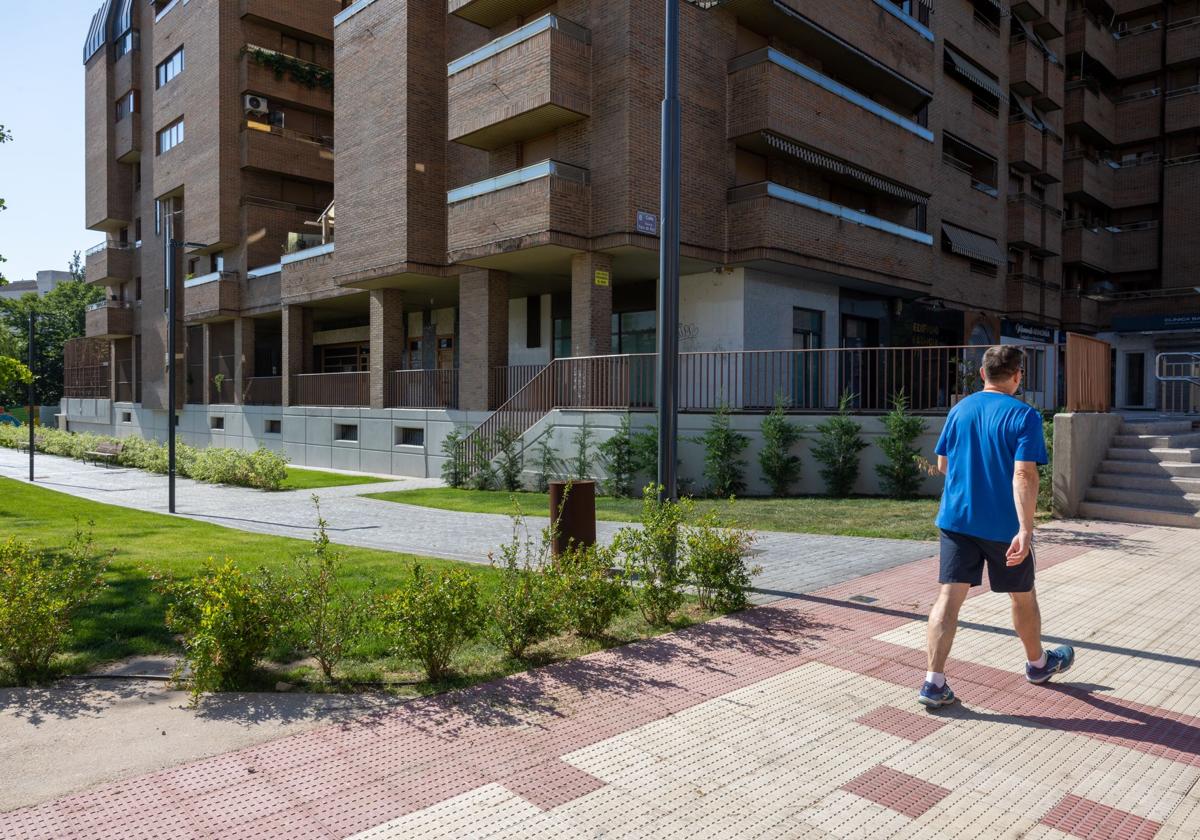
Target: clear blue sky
pixel 41 103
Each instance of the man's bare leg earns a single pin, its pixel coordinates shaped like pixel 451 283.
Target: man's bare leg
pixel 1027 621
pixel 943 622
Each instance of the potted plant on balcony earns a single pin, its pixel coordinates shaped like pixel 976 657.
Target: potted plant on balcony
pixel 218 380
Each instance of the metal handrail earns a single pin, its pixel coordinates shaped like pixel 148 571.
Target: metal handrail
pixel 1182 359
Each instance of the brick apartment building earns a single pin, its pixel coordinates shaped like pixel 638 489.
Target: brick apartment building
pixel 856 174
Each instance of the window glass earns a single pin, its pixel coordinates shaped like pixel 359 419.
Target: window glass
pixel 170 137
pixel 170 67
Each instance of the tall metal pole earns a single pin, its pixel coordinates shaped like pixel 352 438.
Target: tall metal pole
pixel 32 397
pixel 170 273
pixel 668 263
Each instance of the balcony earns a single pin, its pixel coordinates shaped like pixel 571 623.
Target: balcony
pixel 1026 68
pixel 258 78
pixel 1084 176
pixel 1033 224
pixel 1183 109
pixel 1135 247
pixel 1029 9
pixel 110 262
pixel 770 92
pixel 216 295
pixel 1080 312
pixel 127 138
pixel 109 319
pixel 1092 246
pixel 1086 34
pixel 1026 149
pixel 769 222
pixel 1137 183
pixel 1136 117
pixel 1024 295
pixel 314 17
pixel 490 13
pixel 1139 51
pixel 548 203
pixel 524 84
pixel 1092 113
pixel 1183 41
pixel 287 152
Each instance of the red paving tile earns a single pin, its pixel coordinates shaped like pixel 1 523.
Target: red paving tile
pixel 1093 821
pixel 900 723
pixel 899 791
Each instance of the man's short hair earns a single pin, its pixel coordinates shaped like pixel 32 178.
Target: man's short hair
pixel 1002 362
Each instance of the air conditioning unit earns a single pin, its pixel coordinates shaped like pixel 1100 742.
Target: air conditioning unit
pixel 257 105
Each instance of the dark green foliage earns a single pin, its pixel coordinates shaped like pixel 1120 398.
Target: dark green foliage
pixel 780 466
pixel 901 476
pixel 723 465
pixel 60 317
pixel 546 461
pixel 525 608
pixel 511 461
pixel 589 595
pixel 715 553
pixel 299 71
pixel 838 449
pixel 454 470
pixel 651 553
pixel 619 460
pixel 585 456
pixel 433 616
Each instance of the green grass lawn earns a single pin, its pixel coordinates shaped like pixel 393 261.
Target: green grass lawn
pixel 859 517
pixel 128 618
pixel 301 479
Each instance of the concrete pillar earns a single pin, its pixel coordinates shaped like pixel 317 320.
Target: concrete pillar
pixel 296 327
pixel 243 357
pixel 387 340
pixel 206 331
pixel 483 319
pixel 591 305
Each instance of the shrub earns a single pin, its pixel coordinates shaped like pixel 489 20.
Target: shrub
pixel 902 475
pixel 590 597
pixel 618 458
pixel 585 457
pixel 483 473
pixel 716 563
pixel 40 592
pixel 547 463
pixel 433 616
pixel 510 462
pixel 651 555
pixel 524 611
pixel 838 450
pixel 1046 470
pixel 723 465
pixel 454 468
pixel 228 619
pixel 780 468
pixel 327 619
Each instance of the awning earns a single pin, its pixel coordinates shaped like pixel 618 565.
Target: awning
pixel 972 74
pixel 830 164
pixel 973 246
pixel 1036 40
pixel 97 35
pixel 1031 115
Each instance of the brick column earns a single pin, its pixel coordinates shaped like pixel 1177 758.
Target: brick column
pixel 206 331
pixel 387 340
pixel 112 371
pixel 297 347
pixel 591 305
pixel 483 320
pixel 243 356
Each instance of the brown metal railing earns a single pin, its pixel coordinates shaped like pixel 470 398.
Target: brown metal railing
pixel 86 368
pixel 503 382
pixel 221 366
pixel 332 389
pixel 1089 373
pixel 422 388
pixel 263 390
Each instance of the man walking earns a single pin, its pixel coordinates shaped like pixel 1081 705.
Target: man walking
pixel 989 452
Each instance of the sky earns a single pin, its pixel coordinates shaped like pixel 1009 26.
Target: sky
pixel 41 103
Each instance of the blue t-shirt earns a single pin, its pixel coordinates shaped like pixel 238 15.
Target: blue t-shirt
pixel 985 435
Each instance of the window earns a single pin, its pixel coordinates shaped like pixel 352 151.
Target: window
pixel 128 104
pixel 345 358
pixel 169 68
pixel 127 43
pixel 346 432
pixel 562 338
pixel 161 7
pixel 533 321
pixel 137 288
pixel 126 416
pixel 170 137
pixel 808 328
pixel 409 436
pixel 273 427
pixel 217 424
pixel 634 332
pixel 1135 379
pixel 137 231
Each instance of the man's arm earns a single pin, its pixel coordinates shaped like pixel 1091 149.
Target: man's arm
pixel 943 464
pixel 1025 494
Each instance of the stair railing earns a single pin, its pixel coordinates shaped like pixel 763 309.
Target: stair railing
pixel 1178 375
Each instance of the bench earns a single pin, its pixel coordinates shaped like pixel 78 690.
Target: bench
pixel 23 444
pixel 104 451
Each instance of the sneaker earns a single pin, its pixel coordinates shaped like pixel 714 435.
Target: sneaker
pixel 933 697
pixel 1058 661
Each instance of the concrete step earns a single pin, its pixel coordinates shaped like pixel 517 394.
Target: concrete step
pixel 1151 483
pixel 1137 515
pixel 1145 498
pixel 1160 454
pixel 1190 440
pixel 1156 427
pixel 1151 468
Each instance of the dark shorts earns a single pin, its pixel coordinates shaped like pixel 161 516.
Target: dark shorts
pixel 964 556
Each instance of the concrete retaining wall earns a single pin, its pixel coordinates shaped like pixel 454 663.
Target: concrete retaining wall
pixel 1080 443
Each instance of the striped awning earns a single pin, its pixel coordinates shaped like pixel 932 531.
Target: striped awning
pixel 1031 114
pixel 973 246
pixel 830 164
pixel 124 19
pixel 97 35
pixel 1036 40
pixel 972 74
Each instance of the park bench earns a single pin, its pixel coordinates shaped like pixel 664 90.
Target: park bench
pixel 23 444
pixel 104 451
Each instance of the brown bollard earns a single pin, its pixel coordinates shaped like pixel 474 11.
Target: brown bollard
pixel 573 506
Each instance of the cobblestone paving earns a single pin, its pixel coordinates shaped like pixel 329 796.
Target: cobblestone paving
pixel 793 720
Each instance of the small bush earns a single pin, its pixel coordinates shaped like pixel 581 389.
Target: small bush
pixel 651 555
pixel 510 462
pixel 1046 470
pixel 327 620
pixel 780 467
pixel 524 610
pixel 716 563
pixel 584 460
pixel 228 619
pixel 483 472
pixel 590 597
pixel 40 592
pixel 618 458
pixel 454 468
pixel 433 616
pixel 723 464
pixel 902 475
pixel 547 463
pixel 838 450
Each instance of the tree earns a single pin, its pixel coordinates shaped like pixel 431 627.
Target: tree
pixel 60 317
pixel 77 268
pixel 5 137
pixel 12 373
pixel 780 466
pixel 901 476
pixel 838 449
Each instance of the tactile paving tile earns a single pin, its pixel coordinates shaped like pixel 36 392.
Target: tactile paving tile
pixel 900 723
pixel 899 791
pixel 1093 821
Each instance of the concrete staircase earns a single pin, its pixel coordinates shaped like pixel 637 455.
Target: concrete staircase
pixel 1150 476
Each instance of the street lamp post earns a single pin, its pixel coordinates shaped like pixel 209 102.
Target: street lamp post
pixel 668 264
pixel 32 396
pixel 173 245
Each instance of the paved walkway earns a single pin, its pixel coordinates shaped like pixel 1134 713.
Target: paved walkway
pixel 791 563
pixel 793 720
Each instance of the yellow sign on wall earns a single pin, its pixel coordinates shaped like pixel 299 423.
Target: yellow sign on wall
pixel 602 277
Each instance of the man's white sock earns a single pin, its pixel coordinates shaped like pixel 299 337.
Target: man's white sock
pixel 938 680
pixel 1041 663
